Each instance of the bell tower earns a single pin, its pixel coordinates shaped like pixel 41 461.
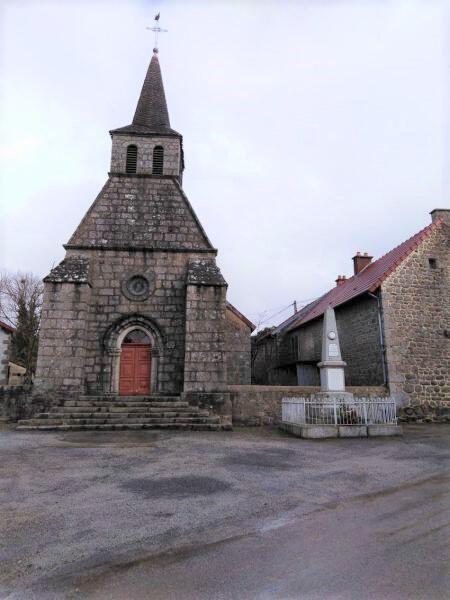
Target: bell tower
pixel 149 146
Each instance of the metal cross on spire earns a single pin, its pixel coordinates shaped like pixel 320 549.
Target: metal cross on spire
pixel 157 30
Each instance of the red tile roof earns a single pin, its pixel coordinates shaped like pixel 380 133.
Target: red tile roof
pixel 367 280
pixel 6 327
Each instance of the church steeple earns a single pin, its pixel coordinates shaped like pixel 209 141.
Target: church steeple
pixel 151 116
pixel 148 146
pixel 151 110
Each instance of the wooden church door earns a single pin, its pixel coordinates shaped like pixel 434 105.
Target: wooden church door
pixel 135 365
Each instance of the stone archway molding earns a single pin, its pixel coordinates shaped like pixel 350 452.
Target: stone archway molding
pixel 112 345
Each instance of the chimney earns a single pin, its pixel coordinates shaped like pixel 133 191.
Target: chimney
pixel 442 213
pixel 340 280
pixel 360 261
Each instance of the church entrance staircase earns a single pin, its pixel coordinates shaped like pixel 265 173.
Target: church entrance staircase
pixel 122 412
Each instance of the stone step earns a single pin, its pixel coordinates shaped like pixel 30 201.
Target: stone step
pixel 121 409
pixel 122 415
pixel 123 406
pixel 123 427
pixel 106 421
pixel 153 397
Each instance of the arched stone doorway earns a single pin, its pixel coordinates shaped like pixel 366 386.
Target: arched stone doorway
pixel 133 356
pixel 135 364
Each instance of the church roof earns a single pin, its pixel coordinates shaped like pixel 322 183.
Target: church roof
pixel 151 116
pixel 149 213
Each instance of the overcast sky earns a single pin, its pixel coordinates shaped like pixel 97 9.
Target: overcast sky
pixel 312 128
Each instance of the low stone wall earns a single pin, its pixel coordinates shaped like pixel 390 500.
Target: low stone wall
pixel 428 412
pixel 261 404
pixel 19 402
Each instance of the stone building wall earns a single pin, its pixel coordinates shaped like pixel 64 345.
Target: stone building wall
pixel 134 212
pixel 164 310
pixel 109 309
pixel 359 336
pixel 145 146
pixel 360 339
pixel 193 340
pixel 4 348
pixel 238 350
pixel 416 309
pixel 63 335
pixel 205 356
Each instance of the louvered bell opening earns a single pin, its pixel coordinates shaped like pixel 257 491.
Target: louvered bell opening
pixel 131 164
pixel 158 160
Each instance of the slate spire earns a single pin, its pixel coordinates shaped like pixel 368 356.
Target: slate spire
pixel 151 110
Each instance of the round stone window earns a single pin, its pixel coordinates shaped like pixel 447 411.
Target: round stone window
pixel 136 287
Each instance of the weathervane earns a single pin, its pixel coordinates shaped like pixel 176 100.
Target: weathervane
pixel 157 29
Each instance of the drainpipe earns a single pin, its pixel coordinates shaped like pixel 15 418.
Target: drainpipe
pixel 380 326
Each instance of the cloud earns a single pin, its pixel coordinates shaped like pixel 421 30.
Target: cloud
pixel 311 129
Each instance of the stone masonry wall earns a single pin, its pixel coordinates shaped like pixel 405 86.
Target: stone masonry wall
pixel 62 337
pixel 416 308
pixel 359 336
pixel 145 146
pixel 205 367
pixel 4 345
pixel 140 213
pixel 261 404
pixel 238 354
pixel 22 402
pixel 165 308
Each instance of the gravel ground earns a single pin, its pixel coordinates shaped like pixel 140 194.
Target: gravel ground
pixel 95 515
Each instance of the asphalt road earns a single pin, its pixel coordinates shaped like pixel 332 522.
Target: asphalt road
pixel 248 514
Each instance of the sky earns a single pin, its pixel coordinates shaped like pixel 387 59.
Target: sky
pixel 312 129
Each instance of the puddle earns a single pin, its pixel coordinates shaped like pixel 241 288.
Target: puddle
pixel 176 487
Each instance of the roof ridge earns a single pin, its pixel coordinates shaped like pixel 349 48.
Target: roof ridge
pixel 369 278
pixel 417 237
pixel 420 232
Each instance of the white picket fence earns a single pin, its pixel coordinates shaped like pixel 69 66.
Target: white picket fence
pixel 358 411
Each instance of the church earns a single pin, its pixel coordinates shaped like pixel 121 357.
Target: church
pixel 138 306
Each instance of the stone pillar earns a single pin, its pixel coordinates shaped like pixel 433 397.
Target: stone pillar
pixel 205 360
pixel 205 374
pixel 62 337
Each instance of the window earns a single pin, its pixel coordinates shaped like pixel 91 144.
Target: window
pixel 131 163
pixel 432 263
pixel 158 160
pixel 137 336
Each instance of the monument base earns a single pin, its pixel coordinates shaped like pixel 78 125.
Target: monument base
pixel 332 375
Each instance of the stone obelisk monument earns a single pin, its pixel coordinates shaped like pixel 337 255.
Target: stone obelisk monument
pixel 332 378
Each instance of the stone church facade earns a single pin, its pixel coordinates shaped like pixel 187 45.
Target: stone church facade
pixel 138 305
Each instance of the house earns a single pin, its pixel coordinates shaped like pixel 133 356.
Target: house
pixel 393 319
pixel 5 337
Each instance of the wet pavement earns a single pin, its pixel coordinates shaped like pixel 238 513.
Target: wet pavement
pixel 252 513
